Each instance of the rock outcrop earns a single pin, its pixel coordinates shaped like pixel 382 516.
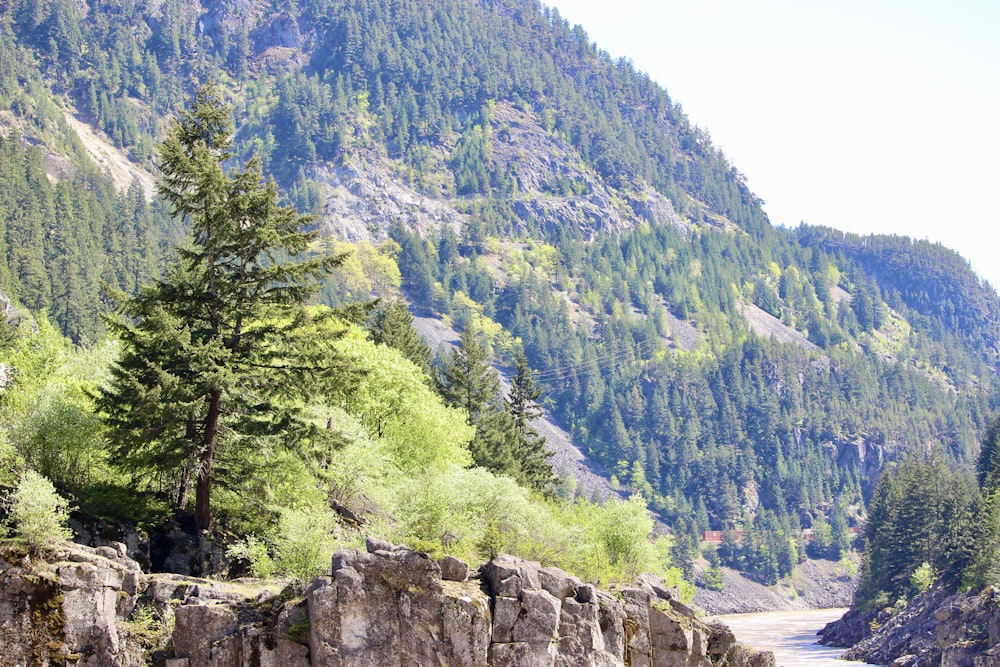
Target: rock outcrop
pixel 69 610
pixel 934 629
pixel 384 606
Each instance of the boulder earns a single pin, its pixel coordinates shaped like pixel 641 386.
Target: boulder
pixel 453 569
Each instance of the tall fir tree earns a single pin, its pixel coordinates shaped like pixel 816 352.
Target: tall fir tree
pixel 988 463
pixel 467 379
pixel 215 355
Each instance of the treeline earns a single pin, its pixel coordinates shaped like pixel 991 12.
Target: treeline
pixel 931 524
pixel 62 240
pixel 421 71
pixel 227 399
pixel 640 341
pixel 928 278
pixel 401 469
pixel 732 430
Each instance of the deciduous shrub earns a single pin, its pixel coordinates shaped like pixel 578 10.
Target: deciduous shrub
pixel 37 513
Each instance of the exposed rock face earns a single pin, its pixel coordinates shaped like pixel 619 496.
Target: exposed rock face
pixel 384 606
pixel 391 606
pixel 934 629
pixel 171 547
pixel 556 190
pixel 67 610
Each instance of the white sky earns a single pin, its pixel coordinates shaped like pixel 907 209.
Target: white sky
pixel 869 116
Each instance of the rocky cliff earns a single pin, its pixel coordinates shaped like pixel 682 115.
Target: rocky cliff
pixel 934 629
pixel 384 606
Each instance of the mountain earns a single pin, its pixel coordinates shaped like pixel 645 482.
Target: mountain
pixel 489 162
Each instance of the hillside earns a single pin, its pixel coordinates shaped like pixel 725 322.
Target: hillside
pixel 490 163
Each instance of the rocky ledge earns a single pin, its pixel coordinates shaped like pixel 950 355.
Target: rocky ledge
pixel 384 606
pixel 934 629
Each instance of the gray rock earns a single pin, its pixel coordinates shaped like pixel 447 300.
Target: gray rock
pixel 586 593
pixel 453 569
pixel 386 605
pixel 373 545
pixel 199 631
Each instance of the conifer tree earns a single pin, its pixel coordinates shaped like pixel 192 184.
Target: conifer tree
pixel 532 457
pixel 988 464
pixel 214 355
pixel 467 379
pixel 392 324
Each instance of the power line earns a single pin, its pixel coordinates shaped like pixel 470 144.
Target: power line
pixel 588 366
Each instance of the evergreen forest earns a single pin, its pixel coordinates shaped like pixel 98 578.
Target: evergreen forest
pixel 486 166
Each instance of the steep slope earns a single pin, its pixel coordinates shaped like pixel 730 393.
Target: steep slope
pixel 737 375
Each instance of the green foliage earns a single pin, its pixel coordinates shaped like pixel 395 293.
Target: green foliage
pixel 46 412
pixel 988 463
pixel 922 578
pixel 532 459
pixel 255 552
pixel 929 278
pixel 984 569
pixel 392 324
pixel 148 631
pixel 63 440
pixel 621 531
pixel 36 512
pixel 822 541
pixel 466 378
pixel 922 514
pixel 767 552
pixel 60 242
pixel 712 577
pixel 471 161
pixel 366 271
pixel 394 403
pixel 304 543
pixel 638 338
pixel 214 355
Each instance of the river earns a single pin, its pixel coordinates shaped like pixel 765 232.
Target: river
pixel 790 634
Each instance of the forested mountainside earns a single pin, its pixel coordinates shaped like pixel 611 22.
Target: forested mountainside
pixel 492 164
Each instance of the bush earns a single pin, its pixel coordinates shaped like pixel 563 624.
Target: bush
pixel 922 577
pixel 38 514
pixel 305 543
pixel 254 551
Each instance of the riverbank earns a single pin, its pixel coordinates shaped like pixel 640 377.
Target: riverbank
pixel 935 628
pixel 815 584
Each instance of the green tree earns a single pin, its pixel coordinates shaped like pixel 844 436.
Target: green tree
pixel 214 354
pixel 392 324
pixel 988 463
pixel 38 514
pixel 921 512
pixel 532 457
pixel 467 379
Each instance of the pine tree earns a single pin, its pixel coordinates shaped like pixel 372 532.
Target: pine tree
pixel 392 324
pixel 466 379
pixel 988 464
pixel 214 355
pixel 532 456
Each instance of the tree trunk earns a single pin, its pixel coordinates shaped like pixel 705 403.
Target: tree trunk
pixel 203 492
pixel 190 435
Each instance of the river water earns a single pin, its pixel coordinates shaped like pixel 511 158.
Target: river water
pixel 790 634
